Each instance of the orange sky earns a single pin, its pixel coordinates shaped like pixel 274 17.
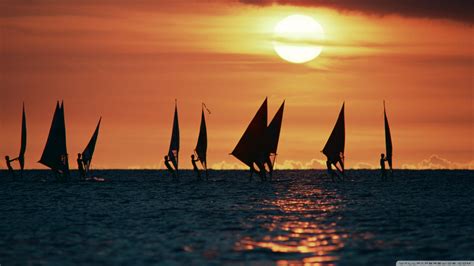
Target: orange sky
pixel 128 61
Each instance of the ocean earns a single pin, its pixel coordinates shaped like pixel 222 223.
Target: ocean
pixel 143 217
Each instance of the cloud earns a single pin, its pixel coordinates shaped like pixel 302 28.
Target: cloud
pixel 227 166
pixel 436 162
pixel 457 10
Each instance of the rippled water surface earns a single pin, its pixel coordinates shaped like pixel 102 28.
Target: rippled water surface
pixel 142 217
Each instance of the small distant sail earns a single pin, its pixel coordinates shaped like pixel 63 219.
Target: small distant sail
pixel 55 152
pixel 251 144
pixel 334 147
pixel 89 150
pixel 388 138
pixel 173 152
pixel 201 146
pixel 273 134
pixel 21 156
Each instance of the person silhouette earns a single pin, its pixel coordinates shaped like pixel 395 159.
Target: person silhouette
pixel 80 167
pixel 269 165
pixel 9 166
pixel 382 166
pixel 195 168
pixel 331 172
pixel 169 167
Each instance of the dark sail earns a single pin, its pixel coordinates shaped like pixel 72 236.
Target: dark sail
pixel 173 152
pixel 273 134
pixel 55 152
pixel 388 138
pixel 334 147
pixel 21 156
pixel 251 145
pixel 201 146
pixel 89 150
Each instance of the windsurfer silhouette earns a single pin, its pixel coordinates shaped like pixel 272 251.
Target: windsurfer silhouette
pixel 269 165
pixel 9 166
pixel 382 166
pixel 80 167
pixel 195 168
pixel 333 161
pixel 169 167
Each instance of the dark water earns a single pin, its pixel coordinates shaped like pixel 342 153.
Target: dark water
pixel 141 217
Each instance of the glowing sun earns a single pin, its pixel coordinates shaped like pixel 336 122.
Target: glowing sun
pixel 297 39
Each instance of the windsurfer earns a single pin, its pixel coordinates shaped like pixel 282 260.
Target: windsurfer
pixel 195 168
pixel 80 167
pixel 9 166
pixel 169 167
pixel 382 166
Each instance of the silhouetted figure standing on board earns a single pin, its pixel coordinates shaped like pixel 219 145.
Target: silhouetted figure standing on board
pixel 260 163
pixel 269 165
pixel 195 168
pixel 80 167
pixel 382 166
pixel 331 172
pixel 169 167
pixel 9 166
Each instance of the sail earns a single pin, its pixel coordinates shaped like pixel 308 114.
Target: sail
pixel 201 146
pixel 89 150
pixel 21 156
pixel 251 144
pixel 55 153
pixel 334 147
pixel 273 133
pixel 388 138
pixel 174 145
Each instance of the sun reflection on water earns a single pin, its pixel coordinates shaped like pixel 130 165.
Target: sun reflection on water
pixel 302 232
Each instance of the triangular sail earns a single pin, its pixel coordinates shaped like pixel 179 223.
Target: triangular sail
pixel 173 152
pixel 388 138
pixel 55 152
pixel 21 156
pixel 89 150
pixel 201 146
pixel 273 133
pixel 334 148
pixel 251 145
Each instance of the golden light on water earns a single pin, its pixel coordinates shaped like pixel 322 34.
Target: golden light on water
pixel 297 39
pixel 289 234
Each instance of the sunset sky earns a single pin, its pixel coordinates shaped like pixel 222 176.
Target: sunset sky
pixel 128 61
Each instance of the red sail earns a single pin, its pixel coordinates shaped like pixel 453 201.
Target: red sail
pixel 251 145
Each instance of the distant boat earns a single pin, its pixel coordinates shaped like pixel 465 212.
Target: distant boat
pixel 89 150
pixel 173 152
pixel 334 148
pixel 201 146
pixel 388 138
pixel 251 145
pixel 55 151
pixel 21 156
pixel 273 136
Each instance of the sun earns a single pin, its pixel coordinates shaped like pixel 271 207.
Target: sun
pixel 297 39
